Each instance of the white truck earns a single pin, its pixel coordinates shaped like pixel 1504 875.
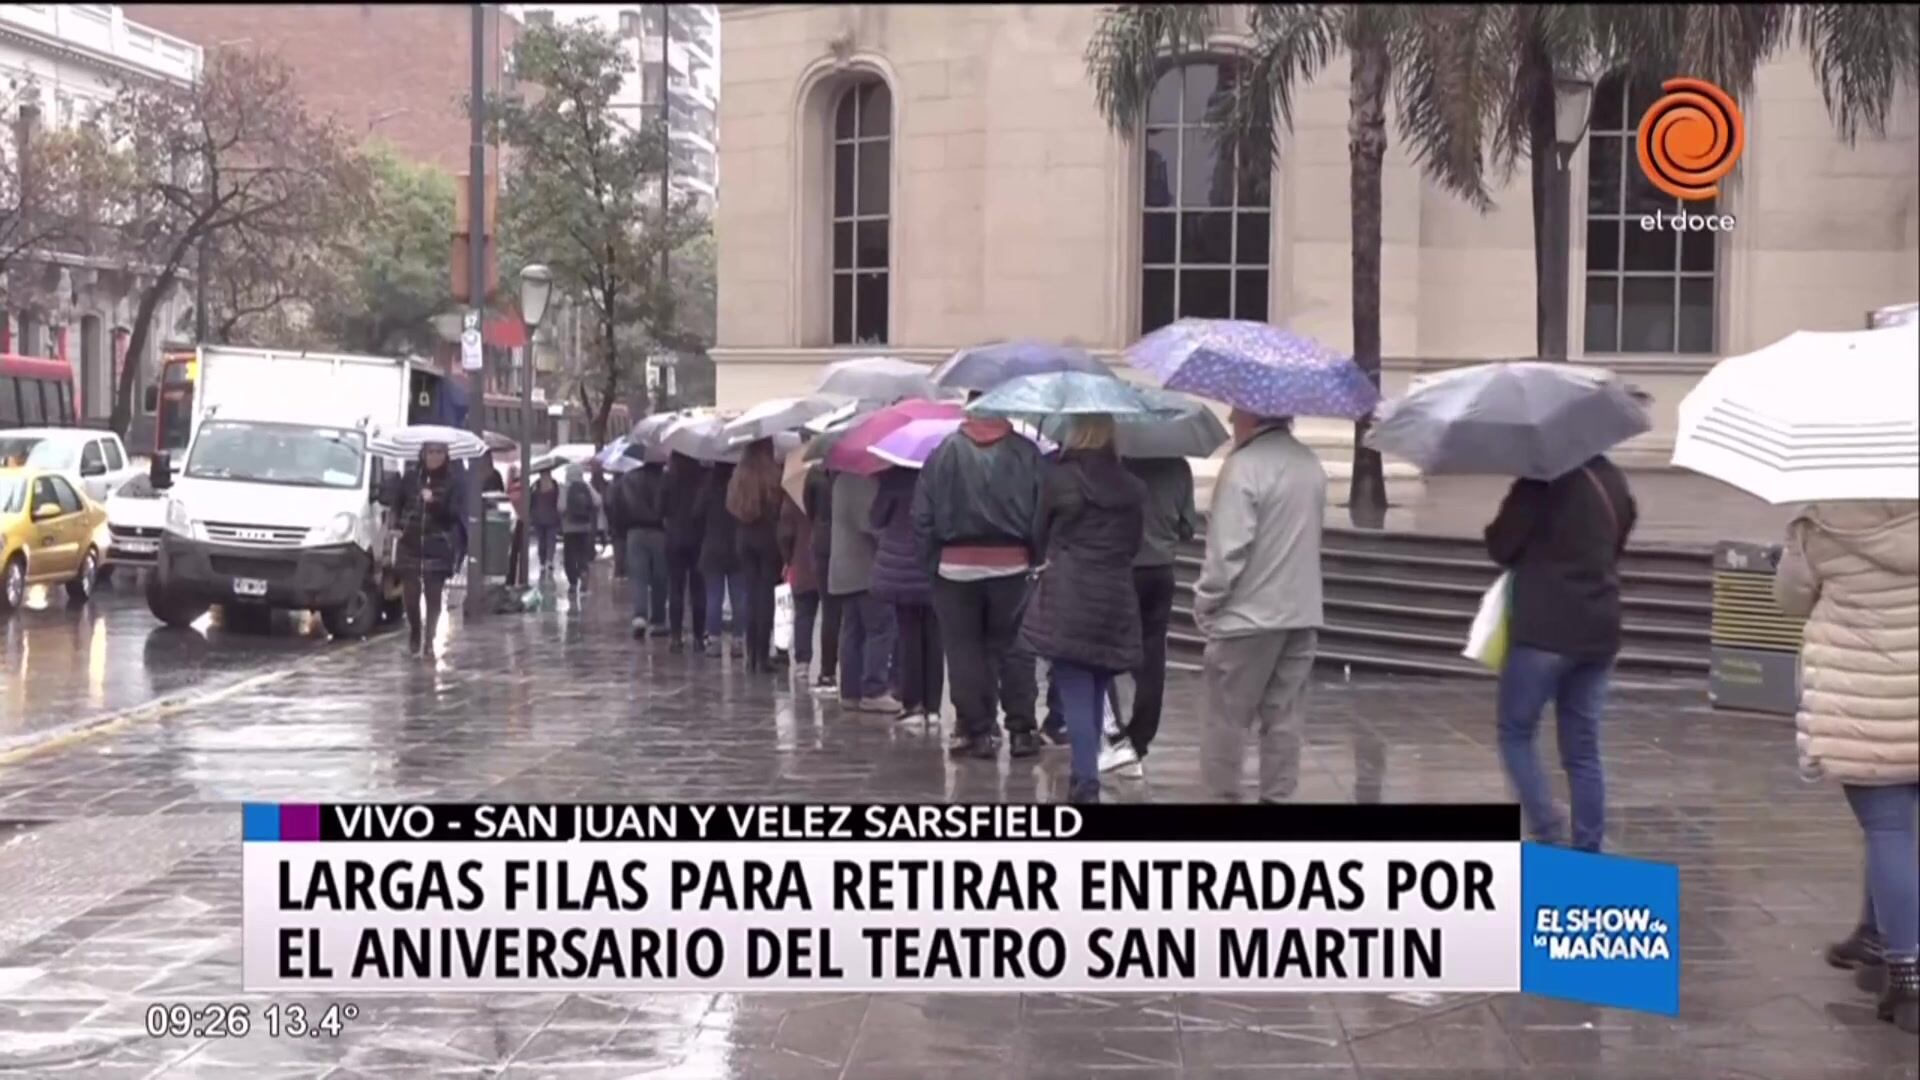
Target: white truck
pixel 278 501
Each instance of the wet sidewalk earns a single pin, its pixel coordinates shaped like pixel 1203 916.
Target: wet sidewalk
pixel 119 881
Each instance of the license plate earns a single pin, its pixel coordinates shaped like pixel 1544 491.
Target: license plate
pixel 138 547
pixel 246 586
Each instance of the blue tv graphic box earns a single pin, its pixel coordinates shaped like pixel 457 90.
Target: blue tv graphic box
pixel 1600 929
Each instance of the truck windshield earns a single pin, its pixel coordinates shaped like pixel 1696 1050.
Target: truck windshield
pixel 37 452
pixel 277 454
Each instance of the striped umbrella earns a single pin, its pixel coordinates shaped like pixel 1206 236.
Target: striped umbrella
pixel 405 442
pixel 1814 416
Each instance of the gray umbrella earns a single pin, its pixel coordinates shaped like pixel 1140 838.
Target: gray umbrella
pixel 1194 432
pixel 879 378
pixel 1521 418
pixel 702 437
pixel 770 418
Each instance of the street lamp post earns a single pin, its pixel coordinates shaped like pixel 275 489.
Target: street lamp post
pixel 1572 99
pixel 536 286
pixel 476 598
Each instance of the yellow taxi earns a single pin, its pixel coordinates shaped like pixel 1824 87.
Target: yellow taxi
pixel 49 534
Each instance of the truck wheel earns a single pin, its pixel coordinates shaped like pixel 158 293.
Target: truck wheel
pixel 356 618
pixel 175 611
pixel 80 589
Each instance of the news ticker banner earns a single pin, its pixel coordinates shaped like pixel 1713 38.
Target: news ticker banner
pixel 744 897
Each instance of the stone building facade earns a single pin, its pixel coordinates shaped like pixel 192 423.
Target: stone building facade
pixel 911 179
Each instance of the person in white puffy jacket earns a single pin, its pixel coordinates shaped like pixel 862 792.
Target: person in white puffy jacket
pixel 1852 570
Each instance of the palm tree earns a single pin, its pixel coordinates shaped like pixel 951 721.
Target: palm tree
pixel 1861 54
pixel 1442 62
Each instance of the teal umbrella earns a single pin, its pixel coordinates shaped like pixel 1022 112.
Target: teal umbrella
pixel 1070 393
pixel 1193 430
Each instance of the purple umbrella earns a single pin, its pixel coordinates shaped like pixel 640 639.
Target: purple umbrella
pixel 910 445
pixel 1257 368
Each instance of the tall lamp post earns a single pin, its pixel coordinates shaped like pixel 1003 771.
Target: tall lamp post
pixel 536 286
pixel 1572 100
pixel 476 599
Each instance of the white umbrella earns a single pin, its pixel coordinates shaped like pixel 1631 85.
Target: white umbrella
pixel 1814 416
pixel 564 454
pixel 770 418
pixel 406 442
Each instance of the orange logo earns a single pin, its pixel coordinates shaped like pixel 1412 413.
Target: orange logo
pixel 1691 138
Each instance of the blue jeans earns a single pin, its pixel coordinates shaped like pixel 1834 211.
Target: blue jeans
pixel 1578 690
pixel 647 574
pixel 1893 869
pixel 729 588
pixel 1083 692
pixel 868 634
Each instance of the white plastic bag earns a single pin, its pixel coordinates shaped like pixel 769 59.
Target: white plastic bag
pixel 783 617
pixel 1487 640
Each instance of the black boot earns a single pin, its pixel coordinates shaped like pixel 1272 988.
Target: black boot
pixel 1862 948
pixel 1900 996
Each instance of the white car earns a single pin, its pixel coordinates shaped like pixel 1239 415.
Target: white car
pixel 95 461
pixel 136 515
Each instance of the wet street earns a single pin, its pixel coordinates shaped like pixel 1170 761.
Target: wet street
pixel 120 856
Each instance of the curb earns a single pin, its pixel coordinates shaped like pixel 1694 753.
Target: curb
pixel 23 747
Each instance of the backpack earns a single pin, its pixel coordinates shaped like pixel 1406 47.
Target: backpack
pixel 579 503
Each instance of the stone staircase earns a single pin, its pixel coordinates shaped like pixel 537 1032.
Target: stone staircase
pixel 1401 603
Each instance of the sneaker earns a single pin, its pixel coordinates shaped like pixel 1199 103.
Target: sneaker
pixel 712 647
pixel 957 742
pixel 911 716
pixel 1054 734
pixel 676 644
pixel 1083 791
pixel 639 629
pixel 825 684
pixel 1899 1002
pixel 1862 948
pixel 885 703
pixel 1122 758
pixel 1023 744
pixel 980 748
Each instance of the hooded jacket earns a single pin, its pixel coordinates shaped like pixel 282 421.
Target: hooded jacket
pixel 1084 609
pixel 899 576
pixel 979 488
pixel 1852 570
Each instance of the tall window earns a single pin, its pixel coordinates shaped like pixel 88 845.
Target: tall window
pixel 862 160
pixel 1647 290
pixel 1205 222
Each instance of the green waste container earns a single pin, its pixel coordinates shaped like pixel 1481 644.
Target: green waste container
pixel 498 552
pixel 1756 646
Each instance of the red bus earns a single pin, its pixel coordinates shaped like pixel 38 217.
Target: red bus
pixel 35 392
pixel 173 409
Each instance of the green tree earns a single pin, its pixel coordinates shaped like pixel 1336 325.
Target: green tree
pixel 1445 69
pixel 576 201
pixel 233 160
pixel 390 267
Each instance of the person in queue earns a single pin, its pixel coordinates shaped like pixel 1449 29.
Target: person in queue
pixel 1171 519
pixel 720 564
pixel 867 630
pixel 426 506
pixel 637 511
pixel 603 534
pixel 579 521
pixel 818 505
pixel 685 527
pixel 796 553
pixel 1258 602
pixel 974 516
pixel 1561 541
pixel 543 511
pixel 1084 617
pixel 1852 571
pixel 901 579
pixel 753 501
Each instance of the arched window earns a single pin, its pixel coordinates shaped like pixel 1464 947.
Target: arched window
pixel 1205 225
pixel 1648 290
pixel 862 164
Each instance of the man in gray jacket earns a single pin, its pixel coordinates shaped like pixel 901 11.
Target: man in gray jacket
pixel 1258 601
pixel 867 630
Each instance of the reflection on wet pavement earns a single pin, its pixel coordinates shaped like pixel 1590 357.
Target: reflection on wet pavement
pixel 119 871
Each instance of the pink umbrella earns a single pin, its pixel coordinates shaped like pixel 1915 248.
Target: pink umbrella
pixel 851 453
pixel 910 445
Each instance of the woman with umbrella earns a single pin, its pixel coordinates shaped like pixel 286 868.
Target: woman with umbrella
pixel 720 560
pixel 426 505
pixel 686 528
pixel 900 578
pixel 753 501
pixel 1083 616
pixel 543 512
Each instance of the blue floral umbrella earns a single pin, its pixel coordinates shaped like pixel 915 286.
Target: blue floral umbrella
pixel 1072 393
pixel 987 366
pixel 1257 368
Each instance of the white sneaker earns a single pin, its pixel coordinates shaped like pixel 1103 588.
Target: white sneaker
pixel 1121 758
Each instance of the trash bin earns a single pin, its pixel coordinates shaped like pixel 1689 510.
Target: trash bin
pixel 1755 660
pixel 499 546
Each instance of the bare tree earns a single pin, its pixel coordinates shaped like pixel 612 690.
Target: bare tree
pixel 233 159
pixel 53 183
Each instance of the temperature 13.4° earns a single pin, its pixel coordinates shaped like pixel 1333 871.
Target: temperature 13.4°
pixel 294 1021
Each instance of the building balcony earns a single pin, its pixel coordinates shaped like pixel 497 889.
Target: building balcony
pixel 102 32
